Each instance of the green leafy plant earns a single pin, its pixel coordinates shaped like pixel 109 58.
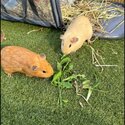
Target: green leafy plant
pixel 64 78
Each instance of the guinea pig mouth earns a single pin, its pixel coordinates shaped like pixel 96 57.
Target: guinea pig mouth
pixel 63 51
pixel 66 52
pixel 48 75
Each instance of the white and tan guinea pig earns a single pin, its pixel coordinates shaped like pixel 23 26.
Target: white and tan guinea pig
pixel 76 34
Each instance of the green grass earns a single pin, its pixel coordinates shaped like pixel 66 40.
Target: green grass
pixel 33 101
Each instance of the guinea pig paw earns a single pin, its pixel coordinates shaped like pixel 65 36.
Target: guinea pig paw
pixel 28 75
pixel 89 42
pixel 9 75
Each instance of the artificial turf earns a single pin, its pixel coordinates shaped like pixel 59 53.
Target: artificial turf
pixel 33 101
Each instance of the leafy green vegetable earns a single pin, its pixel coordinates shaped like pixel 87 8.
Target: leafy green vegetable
pixel 89 93
pixel 56 77
pixel 86 84
pixel 65 79
pixel 59 66
pixel 65 60
pixel 67 85
pixel 65 100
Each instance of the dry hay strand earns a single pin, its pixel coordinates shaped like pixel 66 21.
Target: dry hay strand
pixel 95 11
pixel 98 60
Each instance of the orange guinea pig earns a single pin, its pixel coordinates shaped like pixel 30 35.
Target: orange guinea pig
pixel 19 59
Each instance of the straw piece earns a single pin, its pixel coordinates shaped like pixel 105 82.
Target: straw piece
pixel 95 11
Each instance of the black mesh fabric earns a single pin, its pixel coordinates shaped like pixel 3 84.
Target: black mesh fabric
pixel 39 12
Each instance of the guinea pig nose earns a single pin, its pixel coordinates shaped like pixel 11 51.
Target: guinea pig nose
pixel 44 71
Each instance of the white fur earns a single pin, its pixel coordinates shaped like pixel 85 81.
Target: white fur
pixel 80 28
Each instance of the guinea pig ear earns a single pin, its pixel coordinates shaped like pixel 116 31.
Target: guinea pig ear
pixel 43 56
pixel 61 37
pixel 34 68
pixel 74 40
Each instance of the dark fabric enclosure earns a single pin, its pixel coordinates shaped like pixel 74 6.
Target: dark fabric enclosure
pixel 45 13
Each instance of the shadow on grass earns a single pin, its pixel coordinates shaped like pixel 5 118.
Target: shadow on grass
pixel 53 39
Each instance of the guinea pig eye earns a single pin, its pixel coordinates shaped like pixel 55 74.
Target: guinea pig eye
pixel 44 71
pixel 70 45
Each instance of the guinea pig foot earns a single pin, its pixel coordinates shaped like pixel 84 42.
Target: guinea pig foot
pixel 89 41
pixel 92 40
pixel 28 75
pixel 9 75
